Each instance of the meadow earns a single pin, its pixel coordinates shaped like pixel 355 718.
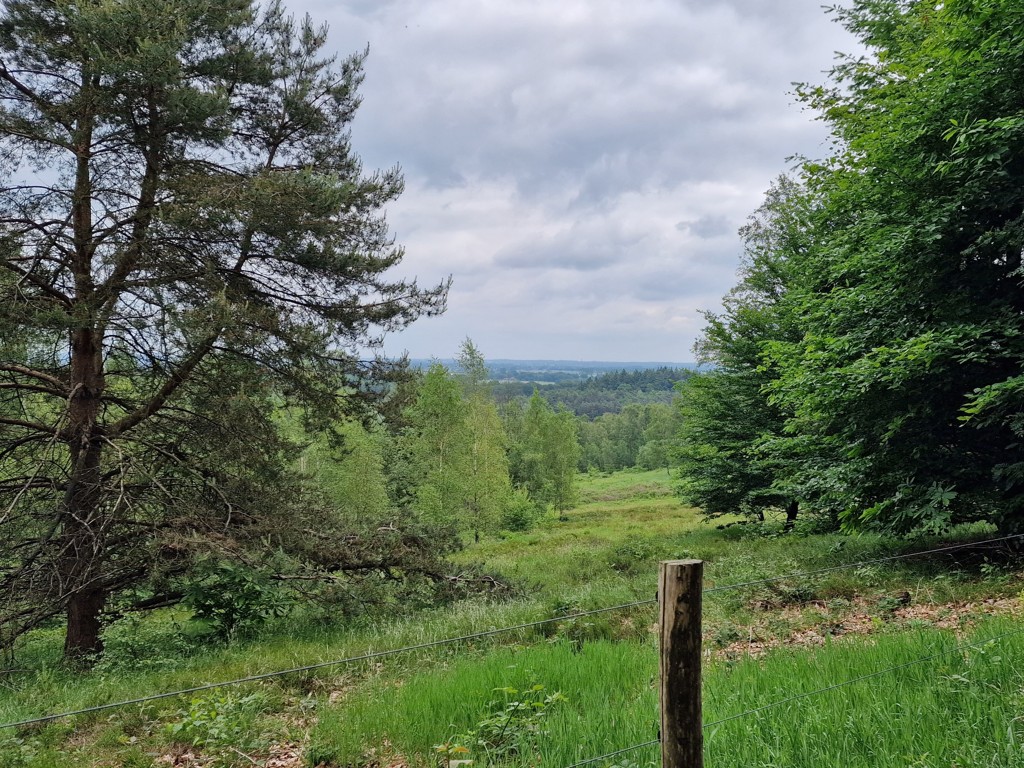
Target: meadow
pixel 584 686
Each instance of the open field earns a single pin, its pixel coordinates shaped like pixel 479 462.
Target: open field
pixel 764 642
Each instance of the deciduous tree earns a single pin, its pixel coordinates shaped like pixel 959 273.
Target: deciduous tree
pixel 548 454
pixel 907 370
pixel 731 433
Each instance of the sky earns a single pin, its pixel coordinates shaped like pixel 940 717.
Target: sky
pixel 579 167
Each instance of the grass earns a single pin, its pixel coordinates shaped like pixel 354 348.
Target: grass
pixel 958 708
pixel 433 706
pixel 604 552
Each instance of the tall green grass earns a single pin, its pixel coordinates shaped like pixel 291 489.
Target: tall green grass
pixel 608 686
pixel 961 708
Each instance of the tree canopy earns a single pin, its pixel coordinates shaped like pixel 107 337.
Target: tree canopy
pixel 900 382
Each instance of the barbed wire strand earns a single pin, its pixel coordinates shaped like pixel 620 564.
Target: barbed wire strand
pixel 861 563
pixel 808 694
pixel 320 665
pixel 477 635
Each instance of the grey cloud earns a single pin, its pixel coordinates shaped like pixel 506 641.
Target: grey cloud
pixel 553 99
pixel 574 250
pixel 579 165
pixel 707 227
pixel 678 286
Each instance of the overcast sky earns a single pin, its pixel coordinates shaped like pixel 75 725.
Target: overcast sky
pixel 580 167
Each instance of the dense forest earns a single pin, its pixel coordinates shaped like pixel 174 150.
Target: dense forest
pixel 604 393
pixel 625 418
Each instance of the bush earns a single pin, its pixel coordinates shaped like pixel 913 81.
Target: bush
pixel 232 598
pixel 632 554
pixel 220 720
pixel 521 513
pixel 136 643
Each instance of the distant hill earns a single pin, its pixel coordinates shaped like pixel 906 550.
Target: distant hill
pixel 606 392
pixel 547 372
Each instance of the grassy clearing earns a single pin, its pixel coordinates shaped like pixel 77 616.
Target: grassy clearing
pixel 604 552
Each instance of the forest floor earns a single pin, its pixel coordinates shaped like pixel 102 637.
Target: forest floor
pixel 938 640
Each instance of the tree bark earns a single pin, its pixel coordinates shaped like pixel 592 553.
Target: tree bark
pixel 80 562
pixel 83 640
pixel 791 511
pixel 81 554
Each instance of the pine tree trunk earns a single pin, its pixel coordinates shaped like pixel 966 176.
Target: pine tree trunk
pixel 83 633
pixel 81 554
pixel 82 551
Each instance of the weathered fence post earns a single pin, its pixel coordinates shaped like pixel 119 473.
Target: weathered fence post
pixel 680 583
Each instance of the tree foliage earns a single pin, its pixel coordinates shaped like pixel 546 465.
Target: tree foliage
pixel 438 442
pixel 458 447
pixel 545 452
pixel 347 464
pixel 185 237
pixel 604 393
pixel 899 383
pixel 729 428
pixel 636 436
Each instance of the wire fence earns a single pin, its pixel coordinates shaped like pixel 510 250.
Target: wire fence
pixel 322 665
pixel 371 655
pixel 808 694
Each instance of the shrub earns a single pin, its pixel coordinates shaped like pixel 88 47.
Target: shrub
pixel 220 720
pixel 631 554
pixel 232 598
pixel 521 513
pixel 511 726
pixel 135 643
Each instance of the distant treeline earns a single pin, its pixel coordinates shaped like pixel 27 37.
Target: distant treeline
pixel 607 393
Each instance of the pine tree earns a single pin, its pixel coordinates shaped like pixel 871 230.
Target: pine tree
pixel 187 236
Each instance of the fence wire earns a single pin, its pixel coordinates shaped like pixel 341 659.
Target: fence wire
pixel 615 753
pixel 807 694
pixel 320 665
pixel 862 563
pixel 486 633
pixel 861 678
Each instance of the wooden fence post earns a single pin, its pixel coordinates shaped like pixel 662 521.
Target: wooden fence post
pixel 680 583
